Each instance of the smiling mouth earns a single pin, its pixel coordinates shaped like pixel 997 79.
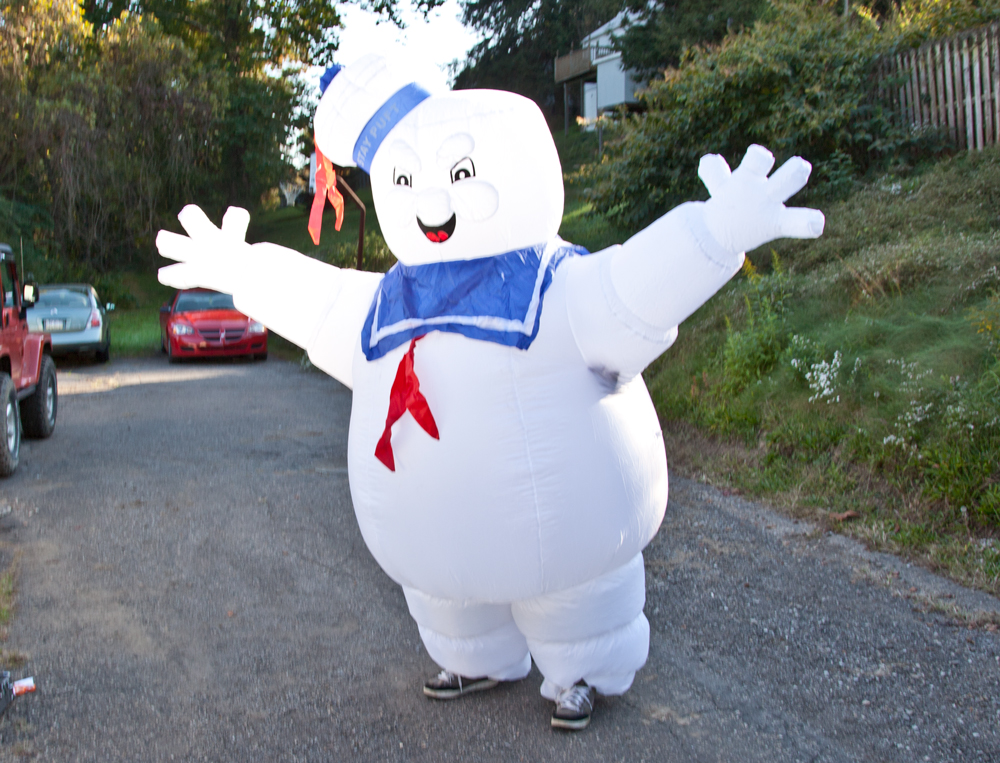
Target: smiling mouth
pixel 438 233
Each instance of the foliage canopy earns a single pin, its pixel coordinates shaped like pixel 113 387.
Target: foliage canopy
pixel 521 38
pixel 116 112
pixel 658 37
pixel 799 82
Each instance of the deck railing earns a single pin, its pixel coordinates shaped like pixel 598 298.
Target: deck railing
pixel 579 62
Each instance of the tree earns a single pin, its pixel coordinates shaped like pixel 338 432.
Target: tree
pixel 248 35
pixel 112 133
pixel 256 46
pixel 33 36
pixel 664 29
pixel 117 112
pixel 521 40
pixel 801 81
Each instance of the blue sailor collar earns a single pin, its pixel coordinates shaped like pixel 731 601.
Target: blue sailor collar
pixel 495 299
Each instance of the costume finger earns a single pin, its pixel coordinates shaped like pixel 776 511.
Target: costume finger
pixel 197 224
pixel 801 222
pixel 757 161
pixel 174 246
pixel 790 178
pixel 714 171
pixel 179 276
pixel 235 223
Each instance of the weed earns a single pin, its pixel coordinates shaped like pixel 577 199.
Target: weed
pixel 865 374
pixel 8 591
pixel 751 352
pixel 377 256
pixel 986 320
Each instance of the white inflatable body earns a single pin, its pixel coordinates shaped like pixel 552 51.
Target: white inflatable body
pixel 518 531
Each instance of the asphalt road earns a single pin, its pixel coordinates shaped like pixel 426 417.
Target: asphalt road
pixel 193 586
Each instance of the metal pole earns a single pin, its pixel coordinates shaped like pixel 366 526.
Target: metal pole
pixel 566 105
pixel 597 110
pixel 361 226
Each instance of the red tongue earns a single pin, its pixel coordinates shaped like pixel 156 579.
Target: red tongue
pixel 438 237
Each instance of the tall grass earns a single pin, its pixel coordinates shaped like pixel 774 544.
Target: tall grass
pixel 861 372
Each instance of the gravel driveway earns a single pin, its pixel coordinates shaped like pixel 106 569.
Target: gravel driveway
pixel 193 586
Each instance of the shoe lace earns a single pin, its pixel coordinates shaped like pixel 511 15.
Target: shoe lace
pixel 574 698
pixel 447 677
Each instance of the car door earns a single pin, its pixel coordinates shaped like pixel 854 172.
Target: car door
pixel 14 330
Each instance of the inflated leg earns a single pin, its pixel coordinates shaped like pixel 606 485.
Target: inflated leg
pixel 595 631
pixel 471 639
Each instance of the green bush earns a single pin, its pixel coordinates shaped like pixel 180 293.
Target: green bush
pixel 800 83
pixel 377 257
pixel 751 352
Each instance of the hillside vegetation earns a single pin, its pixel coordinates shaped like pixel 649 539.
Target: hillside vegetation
pixel 860 373
pixel 802 81
pixel 853 380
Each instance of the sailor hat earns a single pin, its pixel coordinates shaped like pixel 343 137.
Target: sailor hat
pixel 360 106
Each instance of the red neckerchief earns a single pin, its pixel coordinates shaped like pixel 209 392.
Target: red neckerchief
pixel 405 396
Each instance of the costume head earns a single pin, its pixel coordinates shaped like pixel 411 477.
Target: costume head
pixel 455 176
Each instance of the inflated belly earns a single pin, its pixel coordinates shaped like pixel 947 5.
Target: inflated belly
pixel 542 477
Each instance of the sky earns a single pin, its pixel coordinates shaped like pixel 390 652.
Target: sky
pixel 431 44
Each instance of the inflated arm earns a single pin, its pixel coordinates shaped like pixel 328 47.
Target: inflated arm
pixel 317 306
pixel 625 303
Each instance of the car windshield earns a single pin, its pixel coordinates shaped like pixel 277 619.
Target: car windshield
pixel 62 298
pixel 192 301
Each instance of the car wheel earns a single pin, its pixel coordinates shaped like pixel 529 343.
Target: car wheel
pixel 38 412
pixel 163 344
pixel 260 356
pixel 10 427
pixel 171 358
pixel 104 355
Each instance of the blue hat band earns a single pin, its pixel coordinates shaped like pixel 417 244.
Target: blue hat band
pixel 402 102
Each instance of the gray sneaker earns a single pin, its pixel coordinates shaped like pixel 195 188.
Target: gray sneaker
pixel 448 685
pixel 573 707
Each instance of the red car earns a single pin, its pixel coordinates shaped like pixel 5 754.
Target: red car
pixel 200 323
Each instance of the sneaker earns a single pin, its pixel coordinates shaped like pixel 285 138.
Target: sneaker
pixel 573 707
pixel 448 685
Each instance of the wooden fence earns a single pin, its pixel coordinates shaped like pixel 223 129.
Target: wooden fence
pixel 952 85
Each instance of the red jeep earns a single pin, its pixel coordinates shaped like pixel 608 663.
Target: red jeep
pixel 28 396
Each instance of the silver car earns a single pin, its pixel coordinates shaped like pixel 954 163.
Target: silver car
pixel 73 315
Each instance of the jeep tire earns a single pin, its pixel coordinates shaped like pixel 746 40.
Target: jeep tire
pixel 10 427
pixel 38 411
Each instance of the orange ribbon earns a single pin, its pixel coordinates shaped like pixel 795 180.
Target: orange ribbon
pixel 326 187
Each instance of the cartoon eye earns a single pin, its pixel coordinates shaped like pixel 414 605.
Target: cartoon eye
pixel 463 170
pixel 401 178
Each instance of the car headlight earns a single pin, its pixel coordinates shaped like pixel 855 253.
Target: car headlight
pixel 256 327
pixel 182 329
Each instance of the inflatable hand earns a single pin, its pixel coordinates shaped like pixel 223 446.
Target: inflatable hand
pixel 747 207
pixel 208 256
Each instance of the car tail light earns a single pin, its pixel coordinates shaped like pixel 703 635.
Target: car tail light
pixel 95 319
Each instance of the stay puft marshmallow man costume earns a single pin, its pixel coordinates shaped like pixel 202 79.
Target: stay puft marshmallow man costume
pixel 523 471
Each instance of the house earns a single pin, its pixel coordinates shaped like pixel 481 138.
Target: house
pixel 597 69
